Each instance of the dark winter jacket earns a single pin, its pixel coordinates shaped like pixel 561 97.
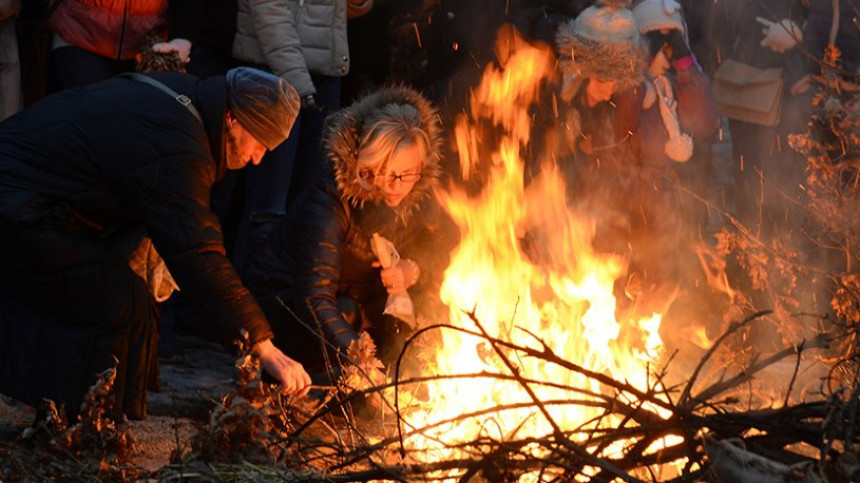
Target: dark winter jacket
pixel 322 250
pixel 816 33
pixel 210 25
pixel 122 154
pixel 111 28
pixel 744 33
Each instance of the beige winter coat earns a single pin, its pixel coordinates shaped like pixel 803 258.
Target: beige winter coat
pixel 294 38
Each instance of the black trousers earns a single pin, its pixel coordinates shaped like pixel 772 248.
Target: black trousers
pixel 70 307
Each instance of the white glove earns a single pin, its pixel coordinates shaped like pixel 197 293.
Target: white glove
pixel 780 36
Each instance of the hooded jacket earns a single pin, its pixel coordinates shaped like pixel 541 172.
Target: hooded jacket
pixel 121 154
pixel 321 251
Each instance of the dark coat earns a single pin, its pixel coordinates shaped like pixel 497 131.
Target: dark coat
pixel 121 154
pixel 738 27
pixel 321 252
pixel 83 174
pixel 816 34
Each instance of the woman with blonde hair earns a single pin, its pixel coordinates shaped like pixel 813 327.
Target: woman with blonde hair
pixel 316 275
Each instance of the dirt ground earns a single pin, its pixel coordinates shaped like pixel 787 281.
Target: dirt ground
pixel 190 386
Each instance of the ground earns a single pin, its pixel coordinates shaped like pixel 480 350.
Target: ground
pixel 189 388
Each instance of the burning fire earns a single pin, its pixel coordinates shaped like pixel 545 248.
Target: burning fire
pixel 525 273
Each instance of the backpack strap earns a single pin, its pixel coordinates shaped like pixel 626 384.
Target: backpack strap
pixel 180 98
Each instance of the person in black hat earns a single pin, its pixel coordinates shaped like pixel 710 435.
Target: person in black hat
pixel 104 202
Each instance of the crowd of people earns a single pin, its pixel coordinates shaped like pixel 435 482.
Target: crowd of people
pixel 117 187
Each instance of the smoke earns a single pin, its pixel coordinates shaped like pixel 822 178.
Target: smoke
pixel 732 232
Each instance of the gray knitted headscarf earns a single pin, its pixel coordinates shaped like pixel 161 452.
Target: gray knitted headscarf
pixel 263 103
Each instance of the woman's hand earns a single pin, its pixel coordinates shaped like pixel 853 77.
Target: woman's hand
pixel 294 379
pixel 399 278
pixel 802 85
pixel 181 46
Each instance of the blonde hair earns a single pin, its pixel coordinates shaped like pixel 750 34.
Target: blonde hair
pixel 392 127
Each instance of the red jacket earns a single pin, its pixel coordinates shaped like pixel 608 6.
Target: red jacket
pixel 110 28
pixel 697 115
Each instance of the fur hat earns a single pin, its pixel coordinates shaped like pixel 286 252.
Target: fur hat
pixel 658 15
pixel 603 42
pixel 607 21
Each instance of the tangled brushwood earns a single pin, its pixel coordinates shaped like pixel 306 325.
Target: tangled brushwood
pixel 256 433
pixel 96 448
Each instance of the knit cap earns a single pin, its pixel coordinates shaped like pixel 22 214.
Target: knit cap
pixel 654 15
pixel 263 103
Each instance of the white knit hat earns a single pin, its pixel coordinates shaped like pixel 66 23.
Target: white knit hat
pixel 658 15
pixel 603 42
pixel 608 21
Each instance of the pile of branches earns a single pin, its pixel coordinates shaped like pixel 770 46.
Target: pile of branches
pixel 97 447
pixel 257 433
pixel 359 429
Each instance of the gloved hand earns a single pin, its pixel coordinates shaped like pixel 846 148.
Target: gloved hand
pixel 309 103
pixel 780 36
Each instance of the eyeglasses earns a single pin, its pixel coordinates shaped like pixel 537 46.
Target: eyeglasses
pixel 393 178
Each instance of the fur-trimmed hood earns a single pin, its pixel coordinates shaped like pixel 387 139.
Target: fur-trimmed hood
pixel 343 135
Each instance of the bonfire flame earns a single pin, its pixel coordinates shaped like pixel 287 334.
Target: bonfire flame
pixel 565 299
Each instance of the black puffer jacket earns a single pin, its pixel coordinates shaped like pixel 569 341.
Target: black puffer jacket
pixel 322 250
pixel 121 154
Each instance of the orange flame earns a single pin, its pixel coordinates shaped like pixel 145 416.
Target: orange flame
pixel 526 268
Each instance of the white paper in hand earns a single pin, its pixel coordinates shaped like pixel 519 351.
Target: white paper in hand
pixel 399 305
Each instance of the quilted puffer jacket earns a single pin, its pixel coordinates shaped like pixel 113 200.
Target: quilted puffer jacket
pixel 294 38
pixel 111 28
